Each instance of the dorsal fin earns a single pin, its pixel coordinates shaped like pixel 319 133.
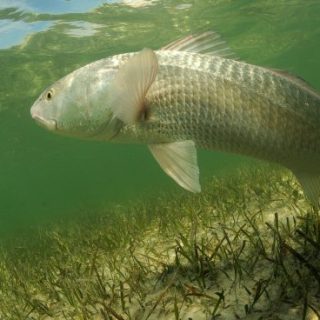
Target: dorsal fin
pixel 205 43
pixel 302 83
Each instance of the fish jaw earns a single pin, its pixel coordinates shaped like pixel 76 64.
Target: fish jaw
pixel 48 124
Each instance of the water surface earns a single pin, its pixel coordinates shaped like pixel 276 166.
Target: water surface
pixel 44 176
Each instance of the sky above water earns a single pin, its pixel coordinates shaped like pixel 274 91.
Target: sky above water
pixel 13 32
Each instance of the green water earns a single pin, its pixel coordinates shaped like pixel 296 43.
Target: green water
pixel 45 177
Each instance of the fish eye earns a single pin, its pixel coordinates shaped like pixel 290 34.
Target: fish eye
pixel 49 94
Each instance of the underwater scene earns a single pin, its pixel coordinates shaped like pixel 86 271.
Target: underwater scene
pixel 179 182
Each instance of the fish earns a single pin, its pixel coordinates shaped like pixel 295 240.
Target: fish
pixel 192 93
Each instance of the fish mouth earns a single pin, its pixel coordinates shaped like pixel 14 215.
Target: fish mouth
pixel 45 123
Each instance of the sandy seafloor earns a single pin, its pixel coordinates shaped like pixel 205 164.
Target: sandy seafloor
pixel 246 248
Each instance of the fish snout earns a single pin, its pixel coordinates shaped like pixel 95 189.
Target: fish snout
pixel 36 115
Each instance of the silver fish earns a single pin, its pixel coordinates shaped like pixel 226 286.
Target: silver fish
pixel 189 94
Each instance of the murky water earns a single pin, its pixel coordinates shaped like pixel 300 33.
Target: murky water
pixel 44 176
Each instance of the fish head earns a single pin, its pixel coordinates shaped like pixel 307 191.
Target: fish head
pixel 97 100
pixel 47 108
pixel 75 106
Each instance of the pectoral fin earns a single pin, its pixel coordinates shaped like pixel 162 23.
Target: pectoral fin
pixel 179 161
pixel 129 87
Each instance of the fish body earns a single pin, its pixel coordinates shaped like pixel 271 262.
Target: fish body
pixel 226 105
pixel 182 97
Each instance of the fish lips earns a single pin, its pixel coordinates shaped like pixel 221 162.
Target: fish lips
pixel 49 124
